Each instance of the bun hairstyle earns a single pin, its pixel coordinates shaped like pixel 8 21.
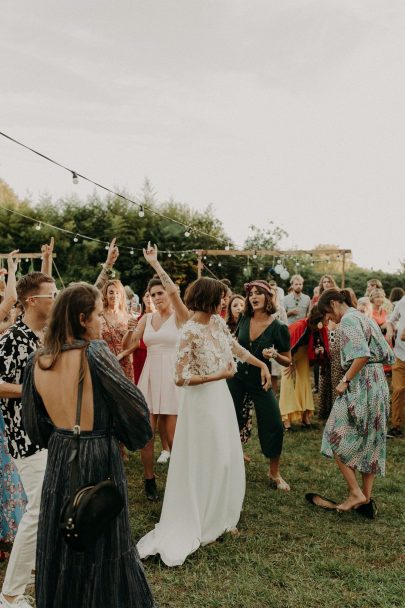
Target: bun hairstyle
pixel 333 295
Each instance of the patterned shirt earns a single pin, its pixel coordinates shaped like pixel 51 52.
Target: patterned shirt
pixel 16 345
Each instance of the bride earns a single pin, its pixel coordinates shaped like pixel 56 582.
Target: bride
pixel 206 479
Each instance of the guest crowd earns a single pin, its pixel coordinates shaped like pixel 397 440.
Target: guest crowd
pixel 101 368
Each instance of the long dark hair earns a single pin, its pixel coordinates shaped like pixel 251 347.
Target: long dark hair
pixel 64 325
pixel 333 295
pixel 229 320
pixel 269 306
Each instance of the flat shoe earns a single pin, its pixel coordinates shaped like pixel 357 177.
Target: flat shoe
pixel 321 501
pixel 368 509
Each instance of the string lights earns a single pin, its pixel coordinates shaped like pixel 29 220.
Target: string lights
pixel 142 207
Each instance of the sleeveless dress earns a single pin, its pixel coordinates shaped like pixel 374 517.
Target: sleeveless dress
pixel 156 381
pixel 110 573
pixel 206 480
pixel 114 335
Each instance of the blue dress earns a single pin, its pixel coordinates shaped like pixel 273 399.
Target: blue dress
pixel 110 573
pixel 12 495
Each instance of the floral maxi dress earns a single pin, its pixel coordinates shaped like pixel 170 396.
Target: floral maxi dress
pixel 356 428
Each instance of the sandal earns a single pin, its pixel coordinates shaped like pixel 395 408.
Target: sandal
pixel 368 509
pixel 321 501
pixel 279 484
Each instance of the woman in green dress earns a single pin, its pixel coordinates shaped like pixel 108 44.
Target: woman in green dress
pixel 266 338
pixel 355 433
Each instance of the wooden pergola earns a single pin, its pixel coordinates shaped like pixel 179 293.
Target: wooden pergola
pixel 256 253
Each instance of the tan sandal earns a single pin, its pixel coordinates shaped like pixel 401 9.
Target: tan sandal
pixel 279 483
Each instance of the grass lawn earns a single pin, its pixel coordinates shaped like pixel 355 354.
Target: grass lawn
pixel 289 554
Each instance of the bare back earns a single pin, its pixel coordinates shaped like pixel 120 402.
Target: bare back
pixel 58 390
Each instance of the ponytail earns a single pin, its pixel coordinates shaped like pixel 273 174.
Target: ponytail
pixel 333 295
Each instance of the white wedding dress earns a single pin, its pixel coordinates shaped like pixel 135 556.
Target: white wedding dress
pixel 206 479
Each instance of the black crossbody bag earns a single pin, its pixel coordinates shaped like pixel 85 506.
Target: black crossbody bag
pixel 91 508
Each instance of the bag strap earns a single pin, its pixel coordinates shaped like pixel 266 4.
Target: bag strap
pixel 75 453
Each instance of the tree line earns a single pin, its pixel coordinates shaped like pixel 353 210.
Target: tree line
pixel 105 217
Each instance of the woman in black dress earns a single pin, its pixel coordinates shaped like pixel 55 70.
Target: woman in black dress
pixel 266 338
pixel 109 573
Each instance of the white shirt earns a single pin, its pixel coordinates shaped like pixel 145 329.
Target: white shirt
pixel 397 317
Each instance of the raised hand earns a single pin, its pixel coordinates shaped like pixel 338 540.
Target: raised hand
pixel 150 253
pixel 12 261
pixel 47 250
pixel 113 253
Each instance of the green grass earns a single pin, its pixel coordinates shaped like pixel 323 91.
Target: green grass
pixel 289 554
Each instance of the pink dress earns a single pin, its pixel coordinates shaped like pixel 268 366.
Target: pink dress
pixel 157 378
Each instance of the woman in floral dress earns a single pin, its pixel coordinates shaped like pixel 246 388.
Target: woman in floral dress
pixel 115 330
pixel 355 433
pixel 12 497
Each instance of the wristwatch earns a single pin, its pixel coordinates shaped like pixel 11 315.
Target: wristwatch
pixel 345 379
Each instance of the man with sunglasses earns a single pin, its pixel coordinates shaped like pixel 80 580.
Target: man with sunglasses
pixel 36 292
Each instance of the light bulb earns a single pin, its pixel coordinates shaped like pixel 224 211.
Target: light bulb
pixel 75 239
pixel 141 212
pixel 38 226
pixel 210 264
pixel 107 246
pixel 254 255
pixel 75 178
pixel 227 247
pixel 187 233
pixel 27 259
pixel 219 264
pixel 131 252
pixel 169 255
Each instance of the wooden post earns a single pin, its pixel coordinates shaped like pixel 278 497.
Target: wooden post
pixel 343 269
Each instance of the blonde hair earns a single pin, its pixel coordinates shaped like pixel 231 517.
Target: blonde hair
pixel 297 277
pixel 375 293
pixel 118 285
pixel 365 301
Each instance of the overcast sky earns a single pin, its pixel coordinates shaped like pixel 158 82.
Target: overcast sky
pixel 283 110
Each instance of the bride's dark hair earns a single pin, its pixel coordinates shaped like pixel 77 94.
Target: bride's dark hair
pixel 64 325
pixel 204 295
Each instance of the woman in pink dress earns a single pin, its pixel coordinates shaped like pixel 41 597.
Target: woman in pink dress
pixel 160 333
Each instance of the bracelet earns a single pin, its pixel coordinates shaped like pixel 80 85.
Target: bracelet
pixel 204 379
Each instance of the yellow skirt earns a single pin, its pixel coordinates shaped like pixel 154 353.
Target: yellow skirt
pixel 295 390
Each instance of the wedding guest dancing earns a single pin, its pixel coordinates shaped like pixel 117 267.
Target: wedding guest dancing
pixel 267 339
pixel 160 332
pixel 206 480
pixel 355 433
pixel 110 572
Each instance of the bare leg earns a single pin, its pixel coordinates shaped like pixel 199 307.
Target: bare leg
pixel 163 435
pixel 147 451
pixel 356 496
pixel 368 480
pixel 275 476
pixel 169 422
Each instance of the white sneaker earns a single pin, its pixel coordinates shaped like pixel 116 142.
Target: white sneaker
pixel 21 601
pixel 164 457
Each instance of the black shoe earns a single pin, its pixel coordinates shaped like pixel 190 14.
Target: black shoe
pixel 394 432
pixel 151 489
pixel 369 509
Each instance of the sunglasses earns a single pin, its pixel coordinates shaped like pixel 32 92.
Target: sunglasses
pixel 46 295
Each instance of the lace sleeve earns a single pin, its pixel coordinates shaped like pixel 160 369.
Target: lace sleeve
pixel 240 353
pixel 185 357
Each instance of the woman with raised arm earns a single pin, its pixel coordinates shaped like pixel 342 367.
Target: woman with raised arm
pixel 159 331
pixel 206 480
pixel 355 433
pixel 110 572
pixel 10 292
